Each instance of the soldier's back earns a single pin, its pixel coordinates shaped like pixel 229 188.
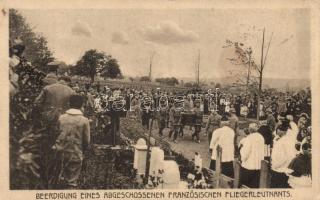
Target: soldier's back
pixel 57 96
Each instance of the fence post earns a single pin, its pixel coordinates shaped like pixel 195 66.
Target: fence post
pixel 237 175
pixel 265 174
pixel 218 166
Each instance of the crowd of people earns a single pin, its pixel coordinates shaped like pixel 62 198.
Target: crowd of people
pixel 282 136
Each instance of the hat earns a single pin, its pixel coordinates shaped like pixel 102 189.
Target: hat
pixel 54 63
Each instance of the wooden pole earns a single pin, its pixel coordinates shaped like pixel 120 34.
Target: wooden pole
pixel 237 175
pixel 218 166
pixel 150 67
pixel 260 76
pixel 249 71
pixel 146 177
pixel 198 66
pixel 264 174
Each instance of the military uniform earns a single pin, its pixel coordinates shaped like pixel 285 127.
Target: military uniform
pixel 54 100
pixel 175 115
pixel 198 123
pixel 146 106
pixel 73 140
pixel 213 123
pixel 271 122
pixel 162 114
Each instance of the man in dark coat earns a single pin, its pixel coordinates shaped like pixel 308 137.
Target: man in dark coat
pixel 52 101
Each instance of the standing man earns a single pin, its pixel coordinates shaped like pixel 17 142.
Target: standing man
pixel 146 106
pixel 252 153
pixel 162 114
pixel 52 101
pixel 198 120
pixel 214 122
pixel 237 105
pixel 73 140
pixel 51 77
pixel 223 137
pixel 234 124
pixel 271 121
pixel 176 119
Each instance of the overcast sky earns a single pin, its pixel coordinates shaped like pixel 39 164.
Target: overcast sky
pixel 175 36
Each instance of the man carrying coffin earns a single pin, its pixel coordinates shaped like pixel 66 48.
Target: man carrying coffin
pixel 198 120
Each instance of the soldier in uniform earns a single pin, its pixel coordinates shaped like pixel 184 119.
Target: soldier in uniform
pixel 53 101
pixel 162 115
pixel 198 120
pixel 271 120
pixel 175 115
pixel 214 122
pixel 51 77
pixel 146 106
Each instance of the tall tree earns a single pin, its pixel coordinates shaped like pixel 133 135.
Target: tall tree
pixel 94 62
pixel 111 69
pixel 36 46
pixel 244 58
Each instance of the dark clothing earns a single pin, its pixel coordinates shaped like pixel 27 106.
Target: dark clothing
pixel 198 123
pixel 176 125
pixel 145 118
pixel 55 96
pixel 279 180
pixel 237 106
pixel 266 133
pixel 162 120
pixel 226 168
pixel 271 122
pixel 301 165
pixel 250 178
pixel 206 106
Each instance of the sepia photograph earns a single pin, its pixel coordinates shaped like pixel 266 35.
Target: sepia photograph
pixel 144 98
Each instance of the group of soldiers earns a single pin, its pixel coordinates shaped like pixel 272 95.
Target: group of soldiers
pixel 173 112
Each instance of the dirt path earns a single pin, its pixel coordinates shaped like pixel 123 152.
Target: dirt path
pixel 187 147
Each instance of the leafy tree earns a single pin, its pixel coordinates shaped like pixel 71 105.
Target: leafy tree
pixel 94 62
pixel 111 69
pixel 36 46
pixel 145 79
pixel 244 58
